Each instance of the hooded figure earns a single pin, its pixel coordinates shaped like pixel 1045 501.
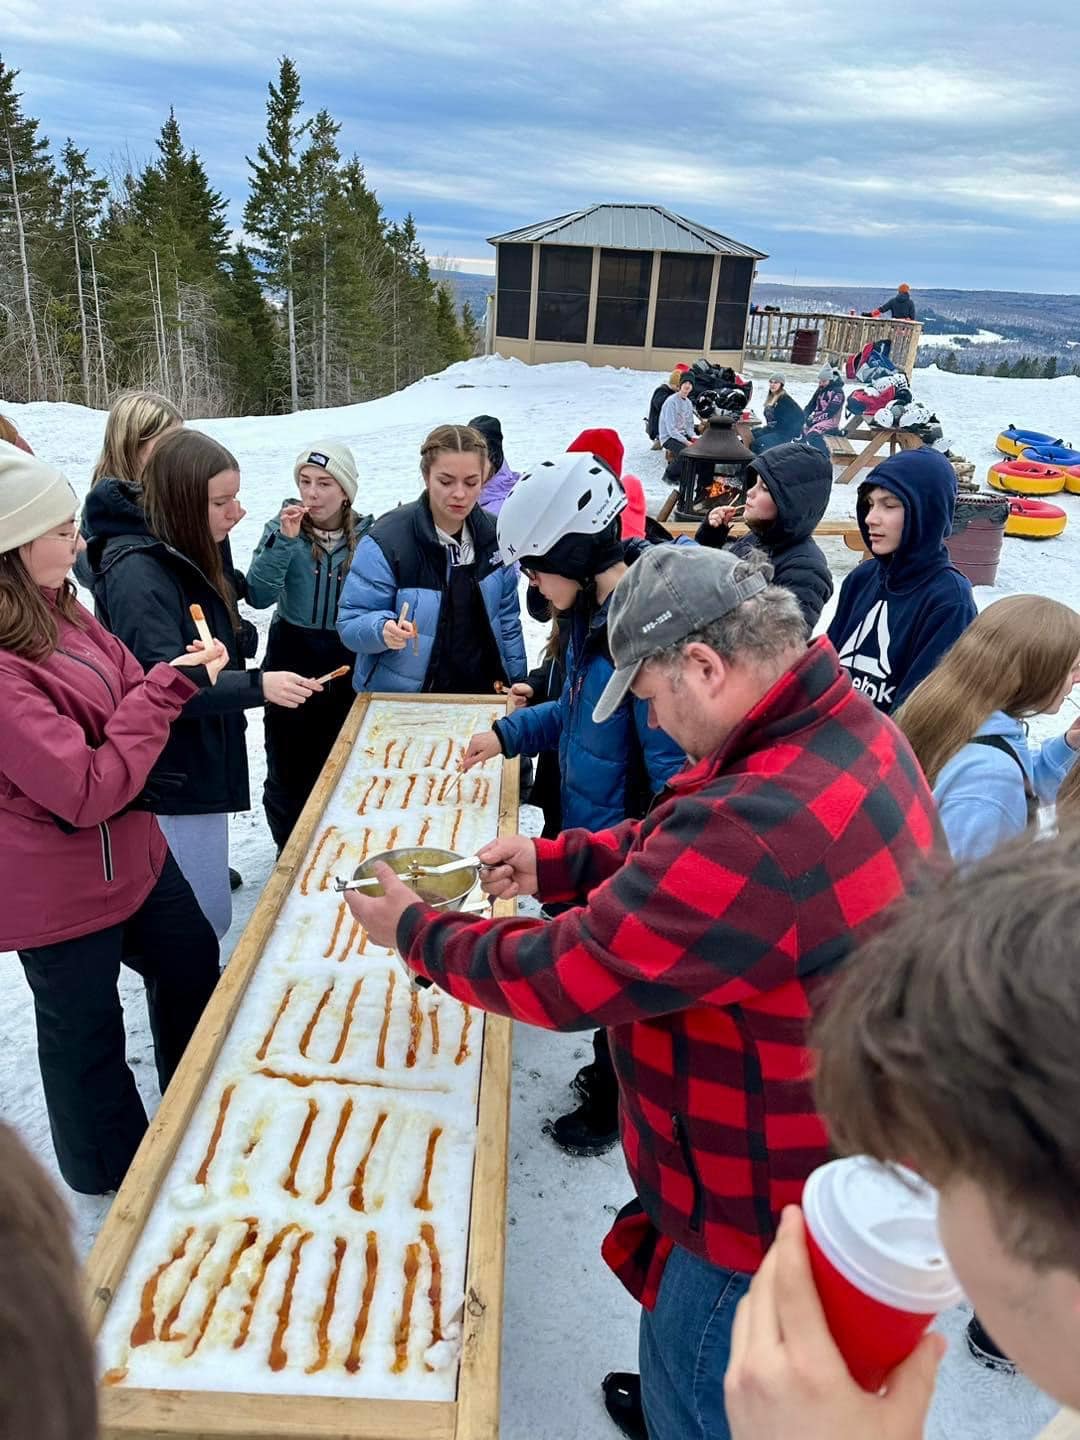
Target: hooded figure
pixel 898 613
pixel 502 479
pixel 799 480
pixel 901 306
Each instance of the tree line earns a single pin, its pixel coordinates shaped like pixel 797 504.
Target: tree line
pixel 109 282
pixel 1023 367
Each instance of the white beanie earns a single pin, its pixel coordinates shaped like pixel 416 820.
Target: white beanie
pixel 34 498
pixel 336 459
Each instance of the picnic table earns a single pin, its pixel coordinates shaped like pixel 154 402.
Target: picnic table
pixel 875 437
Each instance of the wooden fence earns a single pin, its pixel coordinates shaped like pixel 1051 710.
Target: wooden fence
pixel 770 336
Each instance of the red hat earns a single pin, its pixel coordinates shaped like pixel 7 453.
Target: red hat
pixel 603 443
pixel 633 517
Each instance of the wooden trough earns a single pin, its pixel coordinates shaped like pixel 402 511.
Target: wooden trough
pixel 282 1400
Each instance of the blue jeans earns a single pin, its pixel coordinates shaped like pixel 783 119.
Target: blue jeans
pixel 683 1349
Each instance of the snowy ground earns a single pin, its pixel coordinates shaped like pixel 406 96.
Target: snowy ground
pixel 567 1321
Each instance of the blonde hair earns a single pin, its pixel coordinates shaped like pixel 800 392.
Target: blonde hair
pixel 135 417
pixel 462 439
pixel 1016 656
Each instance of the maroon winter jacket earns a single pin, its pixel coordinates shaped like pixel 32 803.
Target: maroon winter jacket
pixel 704 937
pixel 79 732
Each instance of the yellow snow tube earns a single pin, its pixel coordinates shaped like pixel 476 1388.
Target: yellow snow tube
pixel 1072 479
pixel 1013 441
pixel 1025 477
pixel 1035 519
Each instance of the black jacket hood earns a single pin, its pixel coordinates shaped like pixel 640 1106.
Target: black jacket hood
pixel 799 479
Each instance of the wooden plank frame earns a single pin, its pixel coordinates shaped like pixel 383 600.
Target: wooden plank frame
pixel 140 1414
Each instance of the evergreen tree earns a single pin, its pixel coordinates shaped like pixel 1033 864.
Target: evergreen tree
pixel 471 332
pixel 1050 368
pixel 83 197
pixel 949 362
pixel 1004 370
pixel 250 339
pixel 274 206
pixel 980 368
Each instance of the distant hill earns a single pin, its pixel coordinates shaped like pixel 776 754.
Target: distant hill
pixel 474 288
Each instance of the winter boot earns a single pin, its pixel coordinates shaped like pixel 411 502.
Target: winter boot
pixel 985 1351
pixel 235 879
pixel 622 1401
pixel 594 1126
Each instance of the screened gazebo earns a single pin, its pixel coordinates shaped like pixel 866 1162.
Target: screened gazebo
pixel 632 285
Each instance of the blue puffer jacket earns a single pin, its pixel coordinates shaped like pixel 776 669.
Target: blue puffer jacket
pixel 305 586
pixel 609 771
pixel 401 559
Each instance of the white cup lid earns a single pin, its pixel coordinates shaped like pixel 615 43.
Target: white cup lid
pixel 877 1225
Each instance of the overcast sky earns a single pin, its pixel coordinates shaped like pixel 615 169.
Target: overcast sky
pixel 928 142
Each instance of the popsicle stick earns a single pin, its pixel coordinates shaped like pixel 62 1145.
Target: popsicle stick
pixel 404 613
pixel 333 675
pixel 196 612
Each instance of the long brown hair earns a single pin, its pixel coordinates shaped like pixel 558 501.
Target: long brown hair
pixel 28 625
pixel 135 417
pixel 10 433
pixel 1016 656
pixel 175 486
pixel 462 439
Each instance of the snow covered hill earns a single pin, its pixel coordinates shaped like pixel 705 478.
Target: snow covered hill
pixel 567 1320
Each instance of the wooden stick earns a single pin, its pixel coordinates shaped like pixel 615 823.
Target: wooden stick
pixel 196 612
pixel 333 675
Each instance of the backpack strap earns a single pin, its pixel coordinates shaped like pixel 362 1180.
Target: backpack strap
pixel 998 742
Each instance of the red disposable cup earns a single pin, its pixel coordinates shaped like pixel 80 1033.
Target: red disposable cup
pixel 877 1262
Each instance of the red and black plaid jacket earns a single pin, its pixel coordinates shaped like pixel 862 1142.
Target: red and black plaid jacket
pixel 703 941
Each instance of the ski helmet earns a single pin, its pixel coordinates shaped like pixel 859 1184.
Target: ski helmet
pixel 562 516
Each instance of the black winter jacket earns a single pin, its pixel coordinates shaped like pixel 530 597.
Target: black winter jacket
pixel 900 307
pixel 652 420
pixel 799 479
pixel 783 420
pixel 142 591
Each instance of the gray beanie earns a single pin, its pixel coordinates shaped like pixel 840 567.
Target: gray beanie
pixel 34 498
pixel 336 459
pixel 825 373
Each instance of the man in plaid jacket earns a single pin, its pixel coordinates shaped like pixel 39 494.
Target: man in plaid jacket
pixel 703 938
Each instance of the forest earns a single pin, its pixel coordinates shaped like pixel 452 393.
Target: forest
pixel 133 278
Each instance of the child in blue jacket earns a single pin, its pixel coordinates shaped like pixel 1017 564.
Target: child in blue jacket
pixel 900 610
pixel 299 566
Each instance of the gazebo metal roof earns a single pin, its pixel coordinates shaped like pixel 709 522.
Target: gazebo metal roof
pixel 628 227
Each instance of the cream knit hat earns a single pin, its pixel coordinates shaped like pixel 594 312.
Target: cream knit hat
pixel 337 459
pixel 34 498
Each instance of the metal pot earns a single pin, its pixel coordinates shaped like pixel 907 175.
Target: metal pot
pixel 442 892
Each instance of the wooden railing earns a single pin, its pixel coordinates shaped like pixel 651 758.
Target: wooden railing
pixel 770 335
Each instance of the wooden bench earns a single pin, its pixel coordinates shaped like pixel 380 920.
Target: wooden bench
pixel 848 530
pixel 839 447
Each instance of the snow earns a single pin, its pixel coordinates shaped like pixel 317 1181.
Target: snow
pixel 980 337
pixel 567 1321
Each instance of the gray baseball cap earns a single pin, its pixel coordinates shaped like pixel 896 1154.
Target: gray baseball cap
pixel 672 591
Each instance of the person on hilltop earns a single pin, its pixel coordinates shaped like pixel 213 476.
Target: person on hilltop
pixel 788 495
pixel 562 526
pixel 660 394
pixel 157 550
pixel 501 479
pixel 783 418
pixel 299 567
pixel 439 555
pixel 901 609
pixel 91 883
pixel 901 306
pixel 821 414
pixel 678 427
pixel 703 938
pixel 950 1047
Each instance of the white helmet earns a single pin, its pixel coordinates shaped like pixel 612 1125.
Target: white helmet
pixel 576 494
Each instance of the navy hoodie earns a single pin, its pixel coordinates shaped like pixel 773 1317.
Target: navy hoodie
pixel 897 616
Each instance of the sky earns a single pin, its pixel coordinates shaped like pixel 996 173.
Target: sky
pixel 931 142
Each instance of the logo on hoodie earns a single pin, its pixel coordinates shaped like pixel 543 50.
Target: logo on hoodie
pixel 865 653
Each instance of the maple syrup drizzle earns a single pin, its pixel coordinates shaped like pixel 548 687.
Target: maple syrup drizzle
pixel 423 1200
pixel 427 1235
pixel 215 1136
pixel 361 809
pixel 458 817
pixel 356 1196
pixel 316 1014
pixel 433 1016
pixel 315 858
pixel 303 1082
pixel 264 1048
pixel 115 1377
pixel 289 1184
pixel 143 1330
pixel 449 753
pixel 401 757
pixel 331 1154
pixel 392 842
pixel 431 757
pixel 354 930
pixel 250 1236
pixel 337 930
pixel 463 1047
pixel 324 883
pixel 371 1272
pixel 278 1358
pixel 174 1313
pixel 366 847
pixel 256 1136
pixel 323 1336
pixel 424 828
pixel 432 782
pixel 361 949
pixel 408 791
pixel 388 1006
pixel 389 752
pixel 385 791
pixel 347 1019
pixel 270 1254
pixel 404 1325
pixel 416 1028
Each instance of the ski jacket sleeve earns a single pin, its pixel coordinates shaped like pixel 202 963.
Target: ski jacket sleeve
pixel 531 730
pixel 668 928
pixel 269 566
pixel 808 579
pixel 368 599
pixel 47 757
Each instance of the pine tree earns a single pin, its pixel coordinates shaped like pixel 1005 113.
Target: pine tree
pixel 316 241
pixel 470 331
pixel 949 362
pixel 1050 369
pixel 84 195
pixel 274 206
pixel 250 339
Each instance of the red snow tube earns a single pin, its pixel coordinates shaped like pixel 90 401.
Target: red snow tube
pixel 1026 477
pixel 1034 519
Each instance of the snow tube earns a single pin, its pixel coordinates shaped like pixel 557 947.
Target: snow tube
pixel 1025 477
pixel 1059 455
pixel 1012 440
pixel 1072 478
pixel 1034 519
